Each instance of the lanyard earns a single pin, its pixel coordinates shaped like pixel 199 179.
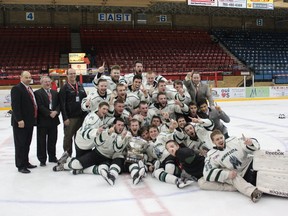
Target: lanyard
pixel 76 90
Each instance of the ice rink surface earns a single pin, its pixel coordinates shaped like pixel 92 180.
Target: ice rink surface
pixel 48 193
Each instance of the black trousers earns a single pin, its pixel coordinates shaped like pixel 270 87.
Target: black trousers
pixel 81 152
pixel 46 143
pixel 93 158
pixel 22 141
pixel 251 175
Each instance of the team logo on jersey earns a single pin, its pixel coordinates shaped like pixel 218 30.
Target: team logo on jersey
pixel 234 161
pixel 91 118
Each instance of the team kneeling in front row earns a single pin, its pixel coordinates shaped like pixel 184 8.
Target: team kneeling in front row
pixel 176 155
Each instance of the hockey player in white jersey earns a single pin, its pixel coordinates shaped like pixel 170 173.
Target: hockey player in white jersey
pixel 171 93
pixel 197 135
pixel 151 83
pixel 107 157
pixel 165 167
pixel 137 89
pixel 85 136
pixel 135 152
pixel 157 121
pixel 127 79
pixel 118 111
pixel 135 158
pixel 87 133
pixel 112 80
pixel 172 107
pixel 145 115
pixel 230 162
pixel 181 89
pixel 131 100
pixel 91 102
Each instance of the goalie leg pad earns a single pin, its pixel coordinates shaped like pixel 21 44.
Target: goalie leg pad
pixel 218 186
pixel 273 183
pixel 274 161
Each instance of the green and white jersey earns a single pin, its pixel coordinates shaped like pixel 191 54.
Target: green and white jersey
pixel 235 156
pixel 110 145
pixel 95 100
pixel 87 133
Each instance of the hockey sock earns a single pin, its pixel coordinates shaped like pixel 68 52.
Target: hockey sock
pixel 163 176
pixel 96 169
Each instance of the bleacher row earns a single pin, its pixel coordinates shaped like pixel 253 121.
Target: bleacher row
pixel 165 51
pixel 32 48
pixel 266 53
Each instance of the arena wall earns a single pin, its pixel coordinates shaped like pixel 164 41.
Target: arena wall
pixel 74 19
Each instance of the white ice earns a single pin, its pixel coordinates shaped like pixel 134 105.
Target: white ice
pixel 46 193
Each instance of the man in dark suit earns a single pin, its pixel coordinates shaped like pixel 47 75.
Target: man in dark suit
pixel 47 121
pixel 197 89
pixel 24 116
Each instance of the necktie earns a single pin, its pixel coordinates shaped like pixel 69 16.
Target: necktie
pixel 196 92
pixel 50 98
pixel 29 89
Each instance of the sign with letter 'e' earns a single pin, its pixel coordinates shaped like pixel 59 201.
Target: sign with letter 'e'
pixel 114 17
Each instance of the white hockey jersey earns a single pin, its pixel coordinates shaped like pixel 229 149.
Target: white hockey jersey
pixel 203 131
pixel 157 149
pixel 87 133
pixel 96 99
pixel 145 120
pixel 172 94
pixel 236 156
pixel 111 84
pixel 171 108
pixel 111 145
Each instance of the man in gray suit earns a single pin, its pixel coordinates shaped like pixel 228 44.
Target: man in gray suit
pixel 196 89
pixel 216 114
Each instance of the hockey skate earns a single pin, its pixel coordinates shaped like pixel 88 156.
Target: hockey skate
pixel 108 176
pixel 63 158
pixel 183 182
pixel 76 172
pixel 256 195
pixel 8 114
pixel 138 175
pixel 59 167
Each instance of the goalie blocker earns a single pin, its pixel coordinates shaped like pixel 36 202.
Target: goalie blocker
pixel 272 175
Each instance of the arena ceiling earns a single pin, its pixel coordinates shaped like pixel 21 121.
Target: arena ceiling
pixel 114 3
